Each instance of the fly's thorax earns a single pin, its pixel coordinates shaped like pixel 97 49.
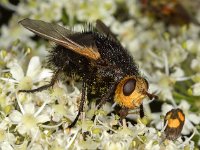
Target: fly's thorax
pixel 130 91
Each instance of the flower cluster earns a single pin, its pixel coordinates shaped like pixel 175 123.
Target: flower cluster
pixel 168 57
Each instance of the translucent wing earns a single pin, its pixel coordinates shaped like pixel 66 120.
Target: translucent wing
pixel 64 37
pixel 101 27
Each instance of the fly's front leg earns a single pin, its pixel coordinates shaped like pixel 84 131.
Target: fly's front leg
pixel 44 87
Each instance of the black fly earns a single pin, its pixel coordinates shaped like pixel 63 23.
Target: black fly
pixel 97 57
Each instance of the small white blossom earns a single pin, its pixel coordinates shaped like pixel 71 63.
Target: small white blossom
pixel 151 146
pixel 196 89
pixel 166 55
pixel 28 119
pixel 6 146
pixel 35 73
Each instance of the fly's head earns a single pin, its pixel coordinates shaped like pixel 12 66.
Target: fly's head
pixel 130 92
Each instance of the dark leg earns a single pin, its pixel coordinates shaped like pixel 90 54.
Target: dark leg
pixel 44 87
pixel 80 106
pixel 151 96
pixel 124 112
pixel 141 111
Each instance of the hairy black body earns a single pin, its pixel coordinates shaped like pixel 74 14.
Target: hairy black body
pixel 113 65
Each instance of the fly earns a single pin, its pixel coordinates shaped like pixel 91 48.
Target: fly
pixel 105 68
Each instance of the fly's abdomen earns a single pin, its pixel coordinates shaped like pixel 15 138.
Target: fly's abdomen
pixel 68 61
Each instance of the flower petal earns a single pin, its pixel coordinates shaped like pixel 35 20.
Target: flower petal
pixel 6 146
pixel 184 105
pixel 166 108
pixel 34 67
pixel 22 129
pixel 17 72
pixel 29 108
pixel 43 118
pixel 45 73
pixel 194 118
pixel 15 116
pixel 196 89
pixel 188 127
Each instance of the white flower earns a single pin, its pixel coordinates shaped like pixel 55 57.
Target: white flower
pixel 8 137
pixel 59 111
pixel 48 9
pixel 35 73
pixel 115 142
pixel 103 10
pixel 155 49
pixel 195 64
pixel 151 146
pixel 37 146
pixel 164 81
pixel 5 123
pixel 10 33
pixel 196 89
pixel 6 146
pixel 28 119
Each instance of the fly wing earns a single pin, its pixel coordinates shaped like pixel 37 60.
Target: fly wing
pixel 61 36
pixel 101 27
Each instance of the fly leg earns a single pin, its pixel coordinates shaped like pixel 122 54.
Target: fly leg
pixel 80 110
pixel 141 111
pixel 44 87
pixel 123 112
